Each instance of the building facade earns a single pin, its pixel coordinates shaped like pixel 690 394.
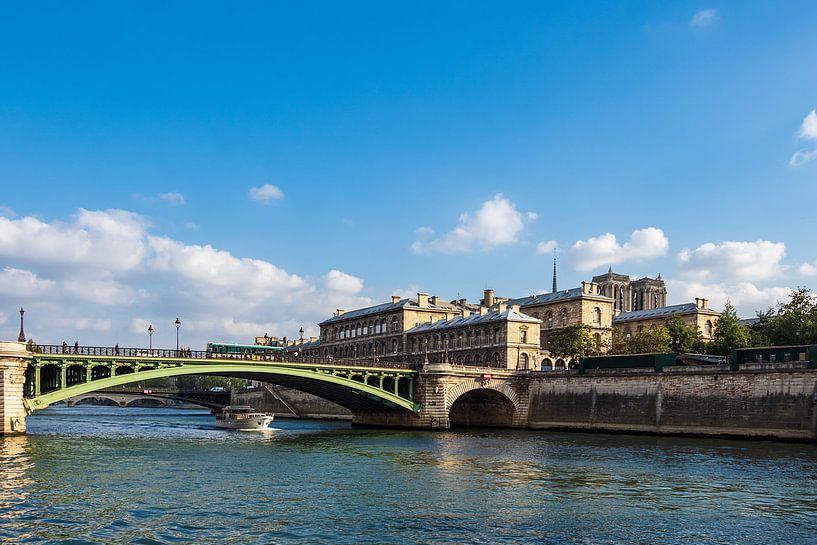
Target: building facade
pixel 628 295
pixel 697 315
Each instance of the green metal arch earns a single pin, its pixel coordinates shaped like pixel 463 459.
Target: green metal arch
pixel 237 370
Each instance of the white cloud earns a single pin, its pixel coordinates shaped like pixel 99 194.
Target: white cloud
pixel 496 223
pixel 97 271
pixel 546 247
pixel 604 249
pixel 339 281
pixel 747 297
pixel 22 283
pixel 172 198
pixel 732 260
pixel 266 193
pixel 424 231
pixel 808 269
pixel 111 239
pixel 406 293
pixel 808 131
pixel 705 18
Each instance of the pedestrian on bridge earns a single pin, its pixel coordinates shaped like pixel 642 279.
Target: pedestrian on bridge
pixel 64 347
pixel 76 347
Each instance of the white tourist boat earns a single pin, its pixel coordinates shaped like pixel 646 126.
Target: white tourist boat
pixel 242 417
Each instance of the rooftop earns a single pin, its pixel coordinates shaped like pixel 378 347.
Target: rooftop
pixel 475 319
pixel 684 308
pixel 387 307
pixel 572 293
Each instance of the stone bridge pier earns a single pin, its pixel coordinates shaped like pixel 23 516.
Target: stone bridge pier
pixel 13 362
pixel 468 396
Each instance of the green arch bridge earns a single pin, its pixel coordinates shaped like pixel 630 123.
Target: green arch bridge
pixel 58 372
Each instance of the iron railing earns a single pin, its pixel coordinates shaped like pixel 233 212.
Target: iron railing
pixel 165 353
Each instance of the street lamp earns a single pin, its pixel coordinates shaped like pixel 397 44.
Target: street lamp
pixel 178 325
pixel 150 336
pixel 22 336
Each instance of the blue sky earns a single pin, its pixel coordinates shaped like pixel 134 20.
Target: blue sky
pixel 424 146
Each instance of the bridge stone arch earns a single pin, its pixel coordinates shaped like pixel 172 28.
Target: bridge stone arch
pixel 483 403
pixel 458 390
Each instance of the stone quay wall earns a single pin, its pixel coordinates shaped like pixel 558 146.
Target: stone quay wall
pixel 777 404
pixel 288 403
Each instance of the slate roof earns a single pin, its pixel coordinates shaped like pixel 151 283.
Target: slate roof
pixel 684 308
pixel 386 307
pixel 475 319
pixel 572 293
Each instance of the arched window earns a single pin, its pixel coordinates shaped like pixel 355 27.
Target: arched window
pixel 394 323
pixel 459 340
pixel 597 339
pixel 414 345
pixel 394 346
pixel 547 364
pixel 628 332
pixel 597 315
pixel 563 317
pixel 383 325
pixel 523 335
pixel 523 361
pixel 549 319
pixel 708 328
pixel 467 360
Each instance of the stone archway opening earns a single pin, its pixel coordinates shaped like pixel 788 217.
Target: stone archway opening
pixel 483 408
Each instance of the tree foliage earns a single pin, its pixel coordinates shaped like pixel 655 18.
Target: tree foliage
pixel 574 341
pixel 729 333
pixel 653 339
pixel 684 338
pixel 791 323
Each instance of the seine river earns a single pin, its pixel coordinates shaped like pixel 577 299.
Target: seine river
pixel 148 476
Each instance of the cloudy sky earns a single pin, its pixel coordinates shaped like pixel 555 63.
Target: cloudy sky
pixel 249 168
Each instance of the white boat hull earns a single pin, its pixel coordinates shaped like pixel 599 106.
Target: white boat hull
pixel 252 423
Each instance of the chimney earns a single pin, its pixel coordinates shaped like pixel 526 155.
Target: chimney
pixel 500 307
pixel 705 303
pixel 483 310
pixel 515 308
pixel 698 302
pixel 395 299
pixel 433 300
pixel 488 300
pixel 422 300
pixel 584 286
pixel 466 313
pixel 339 312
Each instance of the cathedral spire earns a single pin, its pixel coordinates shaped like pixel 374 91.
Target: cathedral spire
pixel 554 271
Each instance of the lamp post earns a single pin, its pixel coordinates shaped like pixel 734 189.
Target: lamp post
pixel 178 324
pixel 301 333
pixel 22 336
pixel 150 336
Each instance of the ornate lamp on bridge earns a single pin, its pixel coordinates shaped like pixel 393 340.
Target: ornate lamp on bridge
pixel 22 336
pixel 301 333
pixel 150 336
pixel 178 325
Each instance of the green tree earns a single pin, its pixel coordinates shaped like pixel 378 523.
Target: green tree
pixel 791 323
pixel 729 332
pixel 684 338
pixel 574 341
pixel 653 339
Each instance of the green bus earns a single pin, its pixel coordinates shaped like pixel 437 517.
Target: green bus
pixel 242 351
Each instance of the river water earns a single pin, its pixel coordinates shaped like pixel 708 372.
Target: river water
pixel 148 476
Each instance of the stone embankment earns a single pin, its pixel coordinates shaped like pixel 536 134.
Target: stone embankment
pixel 288 403
pixel 772 403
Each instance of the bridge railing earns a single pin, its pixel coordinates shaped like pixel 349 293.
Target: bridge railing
pixel 165 353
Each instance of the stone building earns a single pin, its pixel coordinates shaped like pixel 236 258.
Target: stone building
pixel 697 315
pixel 628 295
pixel 380 330
pixel 498 337
pixel 562 308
